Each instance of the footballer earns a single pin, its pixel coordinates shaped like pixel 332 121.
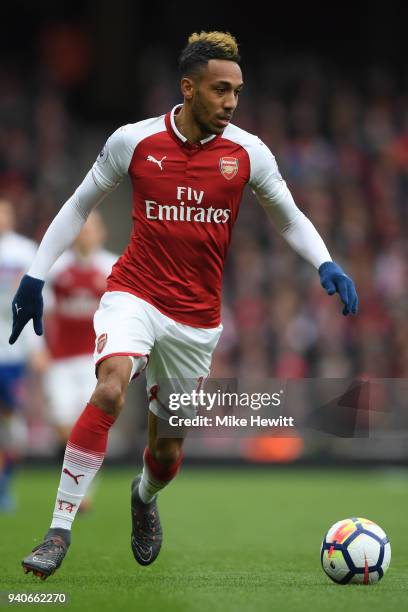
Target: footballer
pixel 161 310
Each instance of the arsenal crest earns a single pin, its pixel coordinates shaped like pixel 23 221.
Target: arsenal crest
pixel 228 167
pixel 101 342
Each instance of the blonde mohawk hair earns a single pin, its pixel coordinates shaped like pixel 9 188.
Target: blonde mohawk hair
pixel 223 40
pixel 205 46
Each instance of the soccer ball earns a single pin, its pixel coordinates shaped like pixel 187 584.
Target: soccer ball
pixel 355 550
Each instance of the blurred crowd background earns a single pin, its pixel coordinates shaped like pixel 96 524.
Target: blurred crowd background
pixel 335 115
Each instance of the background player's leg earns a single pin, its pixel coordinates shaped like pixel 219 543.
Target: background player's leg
pixel 60 392
pixel 161 461
pixel 13 430
pixel 6 464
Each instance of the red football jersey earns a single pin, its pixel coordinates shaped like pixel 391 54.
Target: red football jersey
pixel 73 292
pixel 185 202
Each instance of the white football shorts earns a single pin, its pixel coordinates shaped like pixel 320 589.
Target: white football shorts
pixel 177 357
pixel 68 385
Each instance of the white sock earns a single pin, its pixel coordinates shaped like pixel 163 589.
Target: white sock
pixel 78 470
pixel 149 486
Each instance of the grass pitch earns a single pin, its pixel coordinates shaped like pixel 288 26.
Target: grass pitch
pixel 234 541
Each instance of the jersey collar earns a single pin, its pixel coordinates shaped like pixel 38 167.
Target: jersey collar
pixel 177 133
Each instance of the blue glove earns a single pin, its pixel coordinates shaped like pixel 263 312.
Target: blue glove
pixel 27 304
pixel 333 279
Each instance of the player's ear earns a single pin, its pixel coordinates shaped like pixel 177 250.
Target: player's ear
pixel 187 87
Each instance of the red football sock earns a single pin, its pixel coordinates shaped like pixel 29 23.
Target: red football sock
pixel 156 475
pixel 90 432
pixel 165 473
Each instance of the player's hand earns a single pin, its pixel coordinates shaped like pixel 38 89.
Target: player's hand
pixel 334 279
pixel 27 304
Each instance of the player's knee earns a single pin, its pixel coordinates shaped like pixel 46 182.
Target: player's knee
pixel 110 396
pixel 113 380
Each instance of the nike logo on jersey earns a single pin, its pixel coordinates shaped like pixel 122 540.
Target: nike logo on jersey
pixel 18 309
pixel 150 158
